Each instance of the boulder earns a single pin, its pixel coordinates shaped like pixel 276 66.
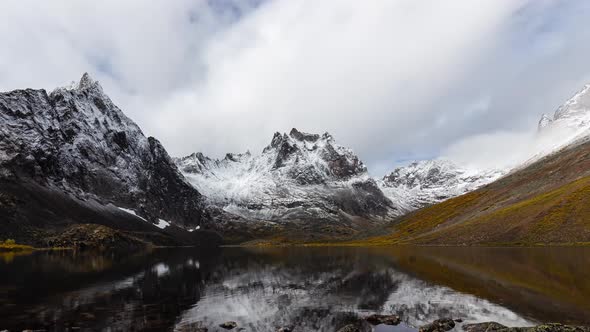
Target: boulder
pixel 439 325
pixel 228 325
pixel 484 327
pixel 383 319
pixel 549 327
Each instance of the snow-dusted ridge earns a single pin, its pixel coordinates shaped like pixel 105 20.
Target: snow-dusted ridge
pixel 297 176
pixel 568 124
pixel 573 114
pixel 77 142
pixel 431 181
pixel 300 170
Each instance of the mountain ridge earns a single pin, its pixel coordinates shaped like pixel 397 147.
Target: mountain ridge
pixel 75 143
pixel 303 179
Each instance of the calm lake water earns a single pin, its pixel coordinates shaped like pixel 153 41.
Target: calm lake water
pixel 312 289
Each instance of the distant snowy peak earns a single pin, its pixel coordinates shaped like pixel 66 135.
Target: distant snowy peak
pixel 298 176
pixel 305 158
pixel 198 163
pixel 195 163
pixel 431 181
pixel 427 174
pixel 316 154
pixel 574 114
pixel 570 123
pixel 424 174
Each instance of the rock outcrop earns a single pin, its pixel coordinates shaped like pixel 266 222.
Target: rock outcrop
pixel 549 327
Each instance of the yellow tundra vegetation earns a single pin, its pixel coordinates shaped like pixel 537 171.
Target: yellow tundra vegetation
pixel 547 203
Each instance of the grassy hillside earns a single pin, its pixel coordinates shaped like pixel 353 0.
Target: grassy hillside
pixel 547 202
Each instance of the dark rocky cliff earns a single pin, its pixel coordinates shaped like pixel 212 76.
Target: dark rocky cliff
pixel 76 147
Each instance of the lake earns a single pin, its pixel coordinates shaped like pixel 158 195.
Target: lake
pixel 311 289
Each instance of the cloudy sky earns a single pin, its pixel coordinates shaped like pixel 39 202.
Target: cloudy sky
pixel 394 80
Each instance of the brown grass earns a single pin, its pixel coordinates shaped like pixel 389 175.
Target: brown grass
pixel 547 203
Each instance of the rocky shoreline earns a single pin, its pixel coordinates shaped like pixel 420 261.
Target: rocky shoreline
pixel 367 324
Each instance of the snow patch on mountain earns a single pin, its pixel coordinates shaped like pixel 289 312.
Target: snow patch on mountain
pixel 162 224
pixel 131 212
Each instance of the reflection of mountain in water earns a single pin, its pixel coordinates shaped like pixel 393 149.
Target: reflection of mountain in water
pixel 140 293
pixel 547 284
pixel 314 289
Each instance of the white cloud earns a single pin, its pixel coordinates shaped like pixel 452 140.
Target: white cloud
pixel 494 150
pixel 390 79
pixel 362 72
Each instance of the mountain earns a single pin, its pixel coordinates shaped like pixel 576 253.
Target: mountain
pixel 573 114
pixel 73 157
pixel 569 122
pixel 546 200
pixel 428 182
pixel 304 182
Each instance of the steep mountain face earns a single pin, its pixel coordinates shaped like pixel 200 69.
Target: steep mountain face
pixel 74 143
pixel 427 182
pixel 299 177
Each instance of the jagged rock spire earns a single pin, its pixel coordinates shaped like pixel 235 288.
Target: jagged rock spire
pixel 86 82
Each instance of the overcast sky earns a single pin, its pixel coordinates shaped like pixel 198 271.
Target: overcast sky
pixel 393 80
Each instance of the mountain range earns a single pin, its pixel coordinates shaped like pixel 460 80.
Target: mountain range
pixel 71 157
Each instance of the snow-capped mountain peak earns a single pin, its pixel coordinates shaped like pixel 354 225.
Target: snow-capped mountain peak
pixel 86 83
pixel 297 176
pixel 569 123
pixel 312 158
pixel 574 114
pixel 431 181
pixel 77 140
